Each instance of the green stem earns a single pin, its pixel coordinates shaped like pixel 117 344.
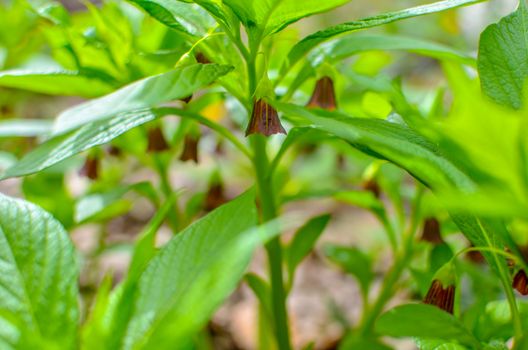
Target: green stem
pixel 371 313
pixel 273 248
pixel 167 190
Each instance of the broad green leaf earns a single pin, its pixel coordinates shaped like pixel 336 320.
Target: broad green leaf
pixel 311 41
pixel 503 58
pixel 352 261
pixel 270 16
pixel 424 321
pixel 188 18
pixel 349 45
pixel 65 146
pixel 55 82
pixel 386 140
pixel 38 277
pixel 303 242
pixel 176 84
pixel 24 127
pixel 191 275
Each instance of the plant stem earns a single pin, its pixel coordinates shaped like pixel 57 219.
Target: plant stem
pixel 168 191
pixel 273 248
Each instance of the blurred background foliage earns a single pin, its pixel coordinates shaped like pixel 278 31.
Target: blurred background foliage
pixel 119 44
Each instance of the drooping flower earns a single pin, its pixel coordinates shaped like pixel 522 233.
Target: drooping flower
pixel 264 120
pixel 520 282
pixel 431 231
pixel 190 149
pixel 442 291
pixel 441 296
pixel 90 168
pixel 215 196
pixel 156 141
pixel 323 95
pixel 201 58
pixel 373 187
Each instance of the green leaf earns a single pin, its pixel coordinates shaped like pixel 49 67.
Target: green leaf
pixel 51 10
pixel 271 16
pixel 191 275
pixel 363 199
pixel 262 291
pixel 352 261
pixel 382 139
pixel 303 242
pixel 24 127
pixel 176 84
pixel 187 18
pixel 503 58
pixel 353 342
pixel 308 43
pixel 349 45
pixel 424 321
pixel 434 344
pixel 65 146
pixel 38 277
pixel 55 82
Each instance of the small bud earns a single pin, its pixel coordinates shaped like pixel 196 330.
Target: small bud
pixel 373 187
pixel 187 99
pixel 431 231
pixel 323 95
pixel 190 149
pixel 475 256
pixel 200 58
pixel 90 168
pixel 215 197
pixel 114 151
pixel 520 282
pixel 264 120
pixel 440 296
pixel 156 141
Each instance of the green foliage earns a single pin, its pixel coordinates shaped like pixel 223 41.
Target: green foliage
pixel 424 321
pixel 503 53
pixel 39 279
pixel 137 61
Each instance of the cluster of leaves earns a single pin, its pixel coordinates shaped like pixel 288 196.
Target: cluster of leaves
pixel 139 61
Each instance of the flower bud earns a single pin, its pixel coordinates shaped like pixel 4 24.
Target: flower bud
pixel 373 187
pixel 215 196
pixel 200 58
pixel 323 95
pixel 520 282
pixel 264 120
pixel 190 149
pixel 90 168
pixel 442 291
pixel 431 231
pixel 156 141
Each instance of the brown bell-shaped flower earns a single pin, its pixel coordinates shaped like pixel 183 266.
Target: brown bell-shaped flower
pixel 264 120
pixel 323 95
pixel 156 141
pixel 441 296
pixel 187 99
pixel 90 168
pixel 190 149
pixel 431 231
pixel 373 187
pixel 200 58
pixel 520 282
pixel 215 196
